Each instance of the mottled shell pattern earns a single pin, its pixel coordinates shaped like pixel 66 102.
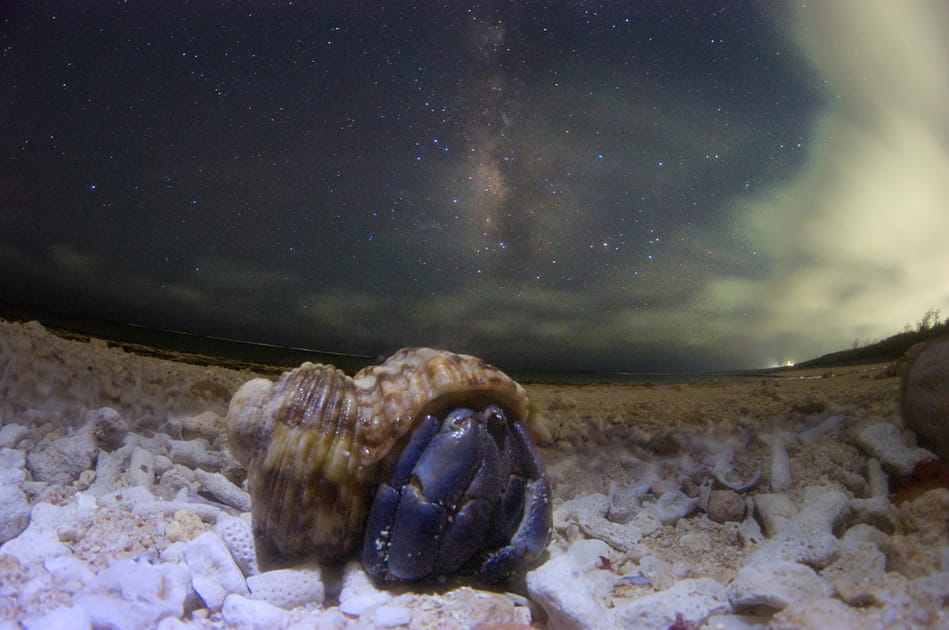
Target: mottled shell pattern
pixel 313 441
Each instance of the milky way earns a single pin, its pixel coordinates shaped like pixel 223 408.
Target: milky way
pixel 621 186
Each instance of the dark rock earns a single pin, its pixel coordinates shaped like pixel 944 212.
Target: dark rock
pixel 924 395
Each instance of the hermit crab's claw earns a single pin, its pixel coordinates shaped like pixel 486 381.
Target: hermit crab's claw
pixel 467 494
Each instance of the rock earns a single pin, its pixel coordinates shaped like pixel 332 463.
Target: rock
pixel 131 594
pixel 674 505
pixel 878 512
pixel 107 428
pixel 776 584
pixel 809 536
pixel 12 467
pixel 927 514
pixel 725 505
pixel 40 539
pixel 863 533
pixel 693 599
pixel 877 481
pixel 288 588
pixel 69 573
pixel 239 540
pixel 14 512
pixel 823 613
pixel 213 572
pixel 59 618
pixel 253 614
pixel 593 504
pixel 192 453
pixel 563 587
pixel 185 526
pixel 856 573
pixel 207 424
pixel 391 616
pixel 108 469
pixel 780 464
pixel 884 441
pixel 223 490
pixel 11 434
pixel 736 622
pixel 624 501
pixel 141 468
pixel 620 537
pixel 61 460
pixel 774 511
pixel 924 395
pixel 830 425
pixel 359 595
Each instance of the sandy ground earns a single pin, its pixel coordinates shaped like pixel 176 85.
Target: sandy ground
pixel 601 412
pixel 600 443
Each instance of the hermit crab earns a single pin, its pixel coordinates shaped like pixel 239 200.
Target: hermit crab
pixel 425 461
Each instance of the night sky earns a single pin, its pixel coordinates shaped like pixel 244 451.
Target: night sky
pixel 641 186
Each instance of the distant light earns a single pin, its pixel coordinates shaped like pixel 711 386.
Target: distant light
pixel 789 364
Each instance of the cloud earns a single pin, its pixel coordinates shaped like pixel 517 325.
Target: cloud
pixel 857 241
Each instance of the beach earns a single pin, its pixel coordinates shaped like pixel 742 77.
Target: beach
pixel 780 500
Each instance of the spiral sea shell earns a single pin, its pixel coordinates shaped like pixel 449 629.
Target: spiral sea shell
pixel 313 441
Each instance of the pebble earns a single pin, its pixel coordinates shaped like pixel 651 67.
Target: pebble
pixel 12 467
pixel 192 453
pixel 288 588
pixel 823 613
pixel 253 614
pixel 11 434
pixel 73 618
pixel 776 584
pixel 857 573
pixel 359 595
pixel 213 572
pixel 135 594
pixel 14 511
pixel 877 480
pixel 884 441
pixel 566 588
pixel 239 540
pixel 725 505
pixel 780 464
pixel 391 616
pixel 107 428
pixel 61 460
pixel 674 505
pixel 223 490
pixel 142 468
pixel 809 536
pixel 694 599
pixel 774 511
